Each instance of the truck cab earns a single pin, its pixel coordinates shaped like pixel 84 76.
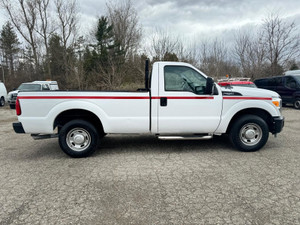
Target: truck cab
pixel 182 103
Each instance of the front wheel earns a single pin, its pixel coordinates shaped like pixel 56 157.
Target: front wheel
pixel 297 103
pixel 78 138
pixel 249 133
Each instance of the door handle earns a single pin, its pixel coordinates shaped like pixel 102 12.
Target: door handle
pixel 163 101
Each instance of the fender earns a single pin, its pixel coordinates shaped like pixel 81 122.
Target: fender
pixel 242 105
pixel 78 104
pixel 44 124
pixel 296 94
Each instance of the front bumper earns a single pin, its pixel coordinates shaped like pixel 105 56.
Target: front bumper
pixel 18 128
pixel 12 101
pixel 278 124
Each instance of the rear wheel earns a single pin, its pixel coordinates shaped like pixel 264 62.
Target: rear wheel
pixel 249 133
pixel 297 103
pixel 2 101
pixel 78 138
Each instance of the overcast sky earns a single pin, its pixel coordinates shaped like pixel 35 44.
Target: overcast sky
pixel 194 19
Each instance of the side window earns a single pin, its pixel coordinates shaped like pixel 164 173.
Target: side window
pixel 272 82
pixel 290 82
pixel 181 78
pixel 278 81
pixel 45 87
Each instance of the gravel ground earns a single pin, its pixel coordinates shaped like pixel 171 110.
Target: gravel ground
pixel 143 180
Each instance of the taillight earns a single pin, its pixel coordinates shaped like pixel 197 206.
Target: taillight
pixel 18 107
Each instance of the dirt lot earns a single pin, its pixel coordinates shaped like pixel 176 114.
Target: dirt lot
pixel 142 180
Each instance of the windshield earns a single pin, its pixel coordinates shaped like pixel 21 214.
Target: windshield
pixel 29 87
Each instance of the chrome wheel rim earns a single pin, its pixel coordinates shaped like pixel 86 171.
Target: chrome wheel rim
pixel 250 134
pixel 78 139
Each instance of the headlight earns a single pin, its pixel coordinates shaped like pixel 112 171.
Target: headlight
pixel 277 102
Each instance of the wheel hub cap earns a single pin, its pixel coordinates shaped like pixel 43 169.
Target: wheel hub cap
pixel 78 139
pixel 250 134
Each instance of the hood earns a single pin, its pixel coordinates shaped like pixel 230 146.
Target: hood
pixel 246 91
pixel 13 92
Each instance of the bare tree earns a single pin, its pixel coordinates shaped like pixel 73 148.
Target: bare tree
pixel 23 15
pixel 44 28
pixel 67 19
pixel 282 41
pixel 163 42
pixel 250 53
pixel 214 58
pixel 67 23
pixel 126 28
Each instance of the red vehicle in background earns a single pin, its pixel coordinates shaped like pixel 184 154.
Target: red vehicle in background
pixel 243 82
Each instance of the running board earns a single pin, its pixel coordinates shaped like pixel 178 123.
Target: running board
pixel 204 137
pixel 43 136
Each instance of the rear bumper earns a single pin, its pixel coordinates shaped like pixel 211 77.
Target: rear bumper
pixel 278 124
pixel 18 128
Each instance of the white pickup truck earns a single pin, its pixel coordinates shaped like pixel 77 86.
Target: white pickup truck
pixel 178 101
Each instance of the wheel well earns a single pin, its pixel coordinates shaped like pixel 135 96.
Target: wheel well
pixel 252 111
pixel 72 114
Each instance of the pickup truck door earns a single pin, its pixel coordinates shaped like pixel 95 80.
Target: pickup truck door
pixel 183 105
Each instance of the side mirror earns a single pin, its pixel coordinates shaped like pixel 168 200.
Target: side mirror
pixel 14 89
pixel 209 86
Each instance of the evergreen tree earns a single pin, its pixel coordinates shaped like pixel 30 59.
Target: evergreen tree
pixel 170 57
pixel 107 46
pixel 294 66
pixel 104 35
pixel 56 57
pixel 106 49
pixel 9 45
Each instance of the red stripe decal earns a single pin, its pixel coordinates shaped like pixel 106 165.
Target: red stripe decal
pixel 140 97
pixel 82 97
pixel 247 98
pixel 184 97
pixel 109 97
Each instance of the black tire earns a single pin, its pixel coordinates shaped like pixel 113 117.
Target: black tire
pixel 249 133
pixel 78 138
pixel 2 101
pixel 297 103
pixel 12 106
